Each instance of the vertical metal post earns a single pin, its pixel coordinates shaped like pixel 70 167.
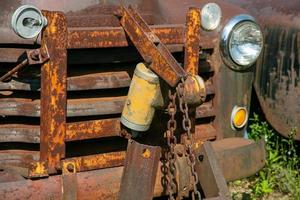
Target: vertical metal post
pixel 192 41
pixel 53 91
pixel 191 50
pixel 139 171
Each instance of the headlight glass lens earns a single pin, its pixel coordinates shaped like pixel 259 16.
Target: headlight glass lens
pixel 245 43
pixel 210 16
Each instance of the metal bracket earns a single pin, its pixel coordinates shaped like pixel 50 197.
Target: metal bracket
pixel 34 56
pixel 210 174
pixel 69 181
pixel 38 56
pixel 38 169
pixel 139 171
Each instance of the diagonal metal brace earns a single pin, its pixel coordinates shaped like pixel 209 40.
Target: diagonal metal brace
pixel 210 175
pixel 150 47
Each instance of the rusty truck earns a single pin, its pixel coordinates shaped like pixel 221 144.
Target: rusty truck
pixel 131 99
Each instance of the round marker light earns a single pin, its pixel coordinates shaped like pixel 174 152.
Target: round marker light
pixel 28 21
pixel 241 42
pixel 210 16
pixel 239 117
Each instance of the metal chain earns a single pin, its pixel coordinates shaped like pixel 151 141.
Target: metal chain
pixel 187 125
pixel 171 141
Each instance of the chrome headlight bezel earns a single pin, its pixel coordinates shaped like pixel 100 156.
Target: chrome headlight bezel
pixel 225 41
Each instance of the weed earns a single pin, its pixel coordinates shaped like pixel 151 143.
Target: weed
pixel 281 172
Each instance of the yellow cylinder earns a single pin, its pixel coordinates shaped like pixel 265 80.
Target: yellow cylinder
pixel 143 96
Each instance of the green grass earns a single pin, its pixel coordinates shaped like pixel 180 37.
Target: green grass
pixel 281 174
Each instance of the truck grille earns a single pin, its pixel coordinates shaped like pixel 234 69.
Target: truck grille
pixel 97 85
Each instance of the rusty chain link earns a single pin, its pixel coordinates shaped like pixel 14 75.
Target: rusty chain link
pixel 172 141
pixel 187 125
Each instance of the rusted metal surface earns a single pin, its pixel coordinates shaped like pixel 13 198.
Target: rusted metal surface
pixel 27 164
pixel 205 110
pixel 191 64
pixel 189 128
pixel 7 175
pixel 104 37
pixel 277 71
pixel 69 181
pixel 85 130
pixel 12 55
pixel 15 84
pixel 99 81
pixel 171 34
pixel 53 91
pixel 105 183
pixel 210 175
pixel 82 107
pixel 209 87
pixel 194 90
pixel 139 171
pixel 107 20
pixel 75 131
pixel 17 156
pixel 37 169
pixel 192 42
pixel 162 62
pixel 98 161
pixel 93 81
pixel 35 56
pixel 238 157
pixel 116 37
pixel 76 107
pixel 169 156
pixel 92 129
pixel 204 132
pixel 183 176
pixel 14 70
pixel 277 80
pixel 97 184
pixel 231 89
pixel 168 29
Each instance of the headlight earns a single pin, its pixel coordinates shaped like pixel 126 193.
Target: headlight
pixel 28 21
pixel 210 16
pixel 241 42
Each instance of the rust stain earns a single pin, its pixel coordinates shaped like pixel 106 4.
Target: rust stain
pixel 81 38
pixel 99 161
pixel 146 153
pixel 53 91
pixel 277 80
pixel 192 48
pixel 93 129
pixel 150 47
pixel 38 169
pixel 76 107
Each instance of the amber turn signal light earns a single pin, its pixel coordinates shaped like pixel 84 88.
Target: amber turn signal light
pixel 239 117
